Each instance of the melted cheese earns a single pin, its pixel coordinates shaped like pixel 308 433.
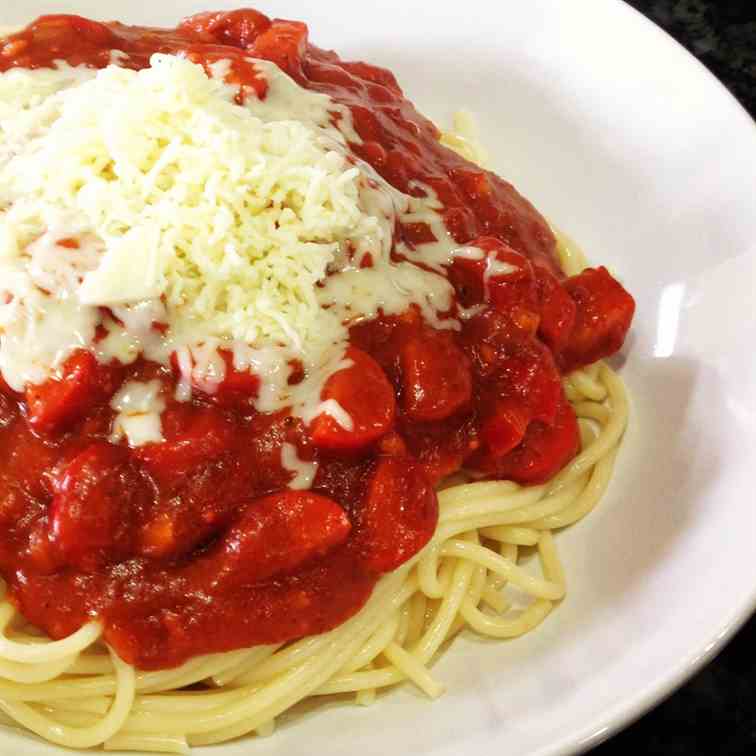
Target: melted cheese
pixel 363 293
pixel 495 268
pixel 249 228
pixel 304 472
pixel 138 407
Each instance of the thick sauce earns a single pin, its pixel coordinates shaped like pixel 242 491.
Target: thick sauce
pixel 196 544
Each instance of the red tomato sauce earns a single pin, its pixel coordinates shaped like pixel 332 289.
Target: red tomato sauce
pixel 196 545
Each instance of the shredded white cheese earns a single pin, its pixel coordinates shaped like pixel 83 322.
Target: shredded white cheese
pixel 156 195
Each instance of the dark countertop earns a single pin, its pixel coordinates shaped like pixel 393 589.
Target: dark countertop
pixel 715 713
pixel 722 35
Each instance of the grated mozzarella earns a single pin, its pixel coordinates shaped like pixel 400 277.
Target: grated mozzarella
pixel 154 194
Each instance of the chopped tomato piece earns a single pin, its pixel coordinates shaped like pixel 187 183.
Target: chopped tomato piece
pixel 526 372
pixel 519 384
pixel 500 276
pixel 364 393
pixel 557 310
pixel 442 451
pixel 49 28
pixel 28 460
pixel 398 514
pixel 505 427
pixel 237 28
pixel 544 450
pixel 284 43
pixel 98 497
pixel 59 402
pixel 604 313
pixel 278 533
pixel 192 436
pixel 436 377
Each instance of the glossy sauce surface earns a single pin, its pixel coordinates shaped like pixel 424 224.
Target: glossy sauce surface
pixel 196 545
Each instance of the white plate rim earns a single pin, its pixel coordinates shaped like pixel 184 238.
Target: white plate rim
pixel 634 706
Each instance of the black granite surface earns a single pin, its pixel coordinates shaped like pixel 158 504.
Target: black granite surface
pixel 715 713
pixel 722 35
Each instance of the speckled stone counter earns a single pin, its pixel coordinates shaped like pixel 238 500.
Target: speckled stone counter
pixel 715 713
pixel 722 35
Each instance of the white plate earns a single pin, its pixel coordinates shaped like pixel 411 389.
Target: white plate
pixel 629 145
